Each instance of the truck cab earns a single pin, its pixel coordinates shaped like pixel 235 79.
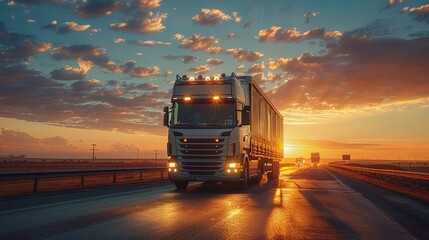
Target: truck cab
pixel 209 131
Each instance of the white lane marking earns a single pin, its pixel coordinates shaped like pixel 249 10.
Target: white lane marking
pixel 144 191
pixel 338 180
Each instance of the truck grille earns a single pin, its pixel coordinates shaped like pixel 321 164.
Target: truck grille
pixel 202 156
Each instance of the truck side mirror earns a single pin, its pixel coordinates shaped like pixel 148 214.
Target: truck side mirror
pixel 245 115
pixel 165 120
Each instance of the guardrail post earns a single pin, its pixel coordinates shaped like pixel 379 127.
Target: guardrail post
pixel 141 176
pixel 114 178
pixel 82 181
pixel 36 185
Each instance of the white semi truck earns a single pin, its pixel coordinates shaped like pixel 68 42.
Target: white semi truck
pixel 222 129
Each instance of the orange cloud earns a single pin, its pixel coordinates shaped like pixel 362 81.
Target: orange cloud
pixel 142 22
pixel 242 54
pixel 293 35
pixel 257 67
pixel 213 17
pixel 356 72
pixel 197 42
pixel 72 27
pixel 214 61
pixel 200 69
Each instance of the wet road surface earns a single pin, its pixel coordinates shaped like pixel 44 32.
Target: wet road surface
pixel 304 203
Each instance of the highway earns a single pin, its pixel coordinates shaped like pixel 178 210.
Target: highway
pixel 305 203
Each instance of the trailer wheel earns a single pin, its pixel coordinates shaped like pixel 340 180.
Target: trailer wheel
pixel 276 169
pixel 260 171
pixel 181 185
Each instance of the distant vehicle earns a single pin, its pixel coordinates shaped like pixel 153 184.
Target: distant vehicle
pixel 299 161
pixel 222 129
pixel 315 159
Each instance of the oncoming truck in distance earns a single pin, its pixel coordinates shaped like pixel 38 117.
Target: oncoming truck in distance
pixel 315 159
pixel 222 129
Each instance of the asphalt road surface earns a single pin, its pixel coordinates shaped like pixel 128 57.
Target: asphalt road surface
pixel 305 203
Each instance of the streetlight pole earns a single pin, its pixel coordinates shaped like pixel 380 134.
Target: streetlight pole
pixel 93 153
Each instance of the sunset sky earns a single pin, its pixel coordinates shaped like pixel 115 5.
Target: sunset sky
pixel 348 76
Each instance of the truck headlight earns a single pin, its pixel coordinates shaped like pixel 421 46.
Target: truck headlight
pixel 232 165
pixel 172 164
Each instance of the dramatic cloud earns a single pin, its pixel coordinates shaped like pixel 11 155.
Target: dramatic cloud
pixel 147 3
pixel 420 14
pixel 214 61
pixel 71 73
pixel 148 42
pixel 198 42
pixel 96 56
pixel 28 95
pixel 17 47
pixel 134 71
pixel 310 15
pixel 142 22
pixel 242 54
pixel 213 17
pixel 23 139
pixel 356 72
pixel 200 69
pixel 77 51
pixel 147 86
pixel 85 85
pixel 276 34
pixel 95 8
pixel 182 58
pixel 258 67
pixel 72 27
pixel 376 28
pixel 214 50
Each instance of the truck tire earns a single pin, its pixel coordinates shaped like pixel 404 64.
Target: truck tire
pixel 181 185
pixel 260 171
pixel 276 169
pixel 245 180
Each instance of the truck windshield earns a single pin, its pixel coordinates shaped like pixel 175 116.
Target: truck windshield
pixel 204 115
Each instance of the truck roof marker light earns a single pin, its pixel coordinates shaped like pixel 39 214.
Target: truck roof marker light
pixel 216 97
pixel 200 77
pixel 216 78
pixel 187 98
pixel 207 78
pixel 191 79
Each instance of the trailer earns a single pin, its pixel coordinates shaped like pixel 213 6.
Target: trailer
pixel 222 129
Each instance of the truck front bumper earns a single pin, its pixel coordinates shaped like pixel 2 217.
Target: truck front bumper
pixel 216 177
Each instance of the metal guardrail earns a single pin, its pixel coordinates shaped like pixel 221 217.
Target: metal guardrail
pixel 38 175
pixel 387 172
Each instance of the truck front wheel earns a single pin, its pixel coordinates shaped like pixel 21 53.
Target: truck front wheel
pixel 244 182
pixel 181 185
